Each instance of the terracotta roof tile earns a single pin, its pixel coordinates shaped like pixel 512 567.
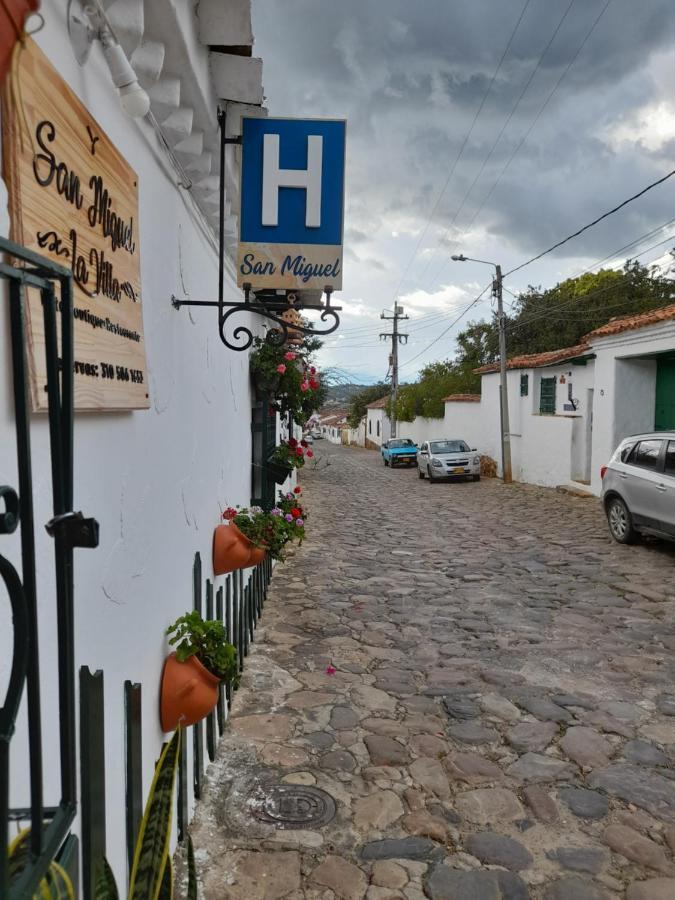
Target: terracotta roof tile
pixel 630 323
pixel 462 398
pixel 378 404
pixel 536 360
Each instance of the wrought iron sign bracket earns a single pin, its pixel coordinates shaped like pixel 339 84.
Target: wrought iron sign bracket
pixel 271 306
pixel 75 529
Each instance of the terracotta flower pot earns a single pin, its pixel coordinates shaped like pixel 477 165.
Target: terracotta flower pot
pixel 231 549
pixel 189 692
pixel 257 556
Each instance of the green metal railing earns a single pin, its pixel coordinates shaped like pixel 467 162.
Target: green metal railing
pixel 49 827
pixel 238 603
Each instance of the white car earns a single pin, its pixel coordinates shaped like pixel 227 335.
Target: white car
pixel 450 458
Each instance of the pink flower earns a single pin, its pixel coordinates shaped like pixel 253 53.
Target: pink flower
pixel 299 522
pixel 310 453
pixel 289 356
pixel 304 386
pixel 281 368
pixel 330 670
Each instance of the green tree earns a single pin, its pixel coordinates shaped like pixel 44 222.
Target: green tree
pixel 358 403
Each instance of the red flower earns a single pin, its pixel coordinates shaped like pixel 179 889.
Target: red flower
pixel 230 513
pixel 313 383
pixel 299 451
pixel 310 453
pixel 297 490
pixel 312 371
pixel 292 443
pixel 296 513
pixel 303 443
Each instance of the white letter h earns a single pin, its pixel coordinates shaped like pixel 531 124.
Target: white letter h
pixel 308 179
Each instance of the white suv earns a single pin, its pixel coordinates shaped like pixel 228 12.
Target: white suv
pixel 638 487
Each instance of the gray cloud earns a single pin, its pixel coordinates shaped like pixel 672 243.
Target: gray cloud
pixel 410 77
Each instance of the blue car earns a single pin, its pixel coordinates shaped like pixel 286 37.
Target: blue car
pixel 399 452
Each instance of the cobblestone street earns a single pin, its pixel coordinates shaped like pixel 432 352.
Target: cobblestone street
pixel 480 679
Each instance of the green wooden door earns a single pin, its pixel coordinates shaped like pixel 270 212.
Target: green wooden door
pixel 547 396
pixel 664 415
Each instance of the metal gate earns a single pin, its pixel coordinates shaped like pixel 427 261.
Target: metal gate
pixel 49 826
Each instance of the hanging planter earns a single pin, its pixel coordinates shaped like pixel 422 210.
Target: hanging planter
pixel 265 385
pixel 13 14
pixel 231 549
pixel 193 672
pixel 278 471
pixel 189 692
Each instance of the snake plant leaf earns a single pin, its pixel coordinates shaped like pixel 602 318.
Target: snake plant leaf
pixel 55 885
pixel 166 887
pixel 154 833
pixel 192 871
pixel 105 887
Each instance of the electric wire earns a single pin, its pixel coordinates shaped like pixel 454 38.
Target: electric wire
pixel 532 125
pixel 599 219
pixel 498 138
pixel 461 151
pixel 451 325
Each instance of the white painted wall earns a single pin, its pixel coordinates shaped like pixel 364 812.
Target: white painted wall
pixel 624 400
pixel 421 429
pixel 156 480
pixel 375 417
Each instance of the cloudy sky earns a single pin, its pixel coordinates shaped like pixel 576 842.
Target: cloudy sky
pixel 488 127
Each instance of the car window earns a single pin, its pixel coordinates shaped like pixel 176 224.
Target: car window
pixel 625 453
pixel 400 442
pixel 646 454
pixel 449 447
pixel 670 458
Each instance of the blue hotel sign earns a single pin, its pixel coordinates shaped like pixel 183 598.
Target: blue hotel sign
pixel 292 203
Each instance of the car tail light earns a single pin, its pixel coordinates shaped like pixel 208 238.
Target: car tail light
pixel 603 469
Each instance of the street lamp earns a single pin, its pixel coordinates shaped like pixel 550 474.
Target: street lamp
pixel 503 390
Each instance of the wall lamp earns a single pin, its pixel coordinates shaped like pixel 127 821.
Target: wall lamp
pixel 87 22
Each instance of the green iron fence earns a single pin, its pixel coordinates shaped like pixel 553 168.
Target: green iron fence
pixel 238 603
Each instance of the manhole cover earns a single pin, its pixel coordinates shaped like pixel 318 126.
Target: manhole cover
pixel 293 806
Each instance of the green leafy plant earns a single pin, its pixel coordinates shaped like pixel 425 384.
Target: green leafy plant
pixel 288 375
pixel 56 882
pixel 291 453
pixel 207 640
pixel 152 872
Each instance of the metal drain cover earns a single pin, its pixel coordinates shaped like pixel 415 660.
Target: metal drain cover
pixel 293 806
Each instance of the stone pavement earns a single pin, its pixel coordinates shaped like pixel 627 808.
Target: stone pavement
pixel 500 721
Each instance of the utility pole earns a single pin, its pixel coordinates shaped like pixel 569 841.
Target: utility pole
pixel 507 475
pixel 505 428
pixel 396 339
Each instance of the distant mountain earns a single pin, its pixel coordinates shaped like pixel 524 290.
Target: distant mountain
pixel 339 395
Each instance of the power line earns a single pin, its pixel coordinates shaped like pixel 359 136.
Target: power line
pixel 590 295
pixel 535 120
pixel 451 325
pixel 499 136
pixel 461 150
pixel 591 224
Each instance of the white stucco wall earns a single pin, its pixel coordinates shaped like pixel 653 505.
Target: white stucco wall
pixel 421 429
pixel 373 417
pixel 156 480
pixel 624 388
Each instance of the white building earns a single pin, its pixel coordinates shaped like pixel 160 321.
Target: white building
pixel 158 476
pixel 570 408
pixel 378 425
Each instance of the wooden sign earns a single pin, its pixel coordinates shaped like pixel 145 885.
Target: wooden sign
pixel 74 198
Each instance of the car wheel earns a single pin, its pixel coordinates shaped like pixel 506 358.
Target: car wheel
pixel 621 522
pixel 476 477
pixel 385 461
pixel 420 473
pixel 432 478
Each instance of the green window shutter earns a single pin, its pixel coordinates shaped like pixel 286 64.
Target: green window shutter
pixel 547 396
pixel 524 385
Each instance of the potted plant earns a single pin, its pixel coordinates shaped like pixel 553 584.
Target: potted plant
pixel 294 514
pixel 288 376
pixel 232 549
pixel 192 673
pixel 288 455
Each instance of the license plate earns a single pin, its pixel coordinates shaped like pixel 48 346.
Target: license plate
pixel 458 471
